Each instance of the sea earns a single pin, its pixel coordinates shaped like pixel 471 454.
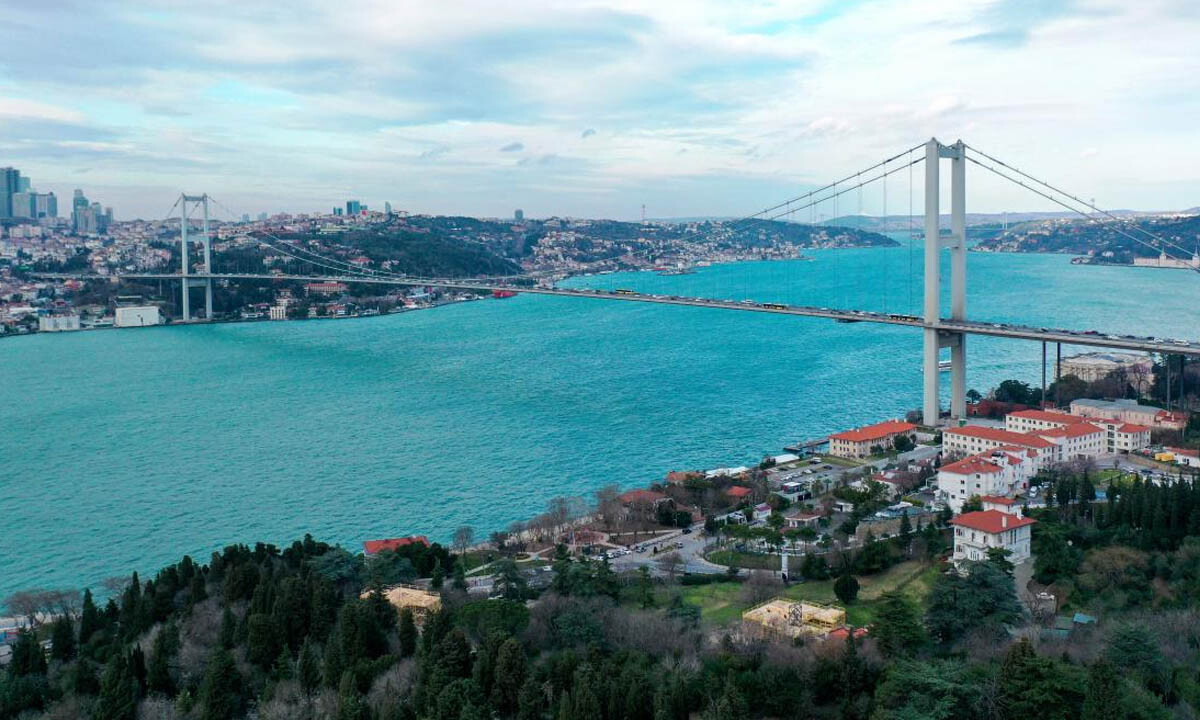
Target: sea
pixel 124 450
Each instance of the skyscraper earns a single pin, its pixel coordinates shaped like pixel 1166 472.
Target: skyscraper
pixel 79 211
pixel 45 205
pixel 10 183
pixel 353 207
pixel 519 215
pixel 24 204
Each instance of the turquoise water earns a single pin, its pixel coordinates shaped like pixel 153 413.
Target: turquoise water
pixel 122 450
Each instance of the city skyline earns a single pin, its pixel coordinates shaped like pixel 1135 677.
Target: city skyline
pixel 591 111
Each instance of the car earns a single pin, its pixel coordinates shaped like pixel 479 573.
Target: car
pixel 827 467
pixel 686 531
pixel 678 545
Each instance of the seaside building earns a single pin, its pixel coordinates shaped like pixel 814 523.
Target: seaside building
pixel 137 316
pixel 370 547
pixel 976 532
pixel 861 442
pixel 1130 411
pixel 1000 472
pixel 1090 367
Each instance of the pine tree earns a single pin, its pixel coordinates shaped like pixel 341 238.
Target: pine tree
pixel 407 633
pixel 62 639
pixel 846 588
pixel 282 669
pixel 1103 698
pixel 84 680
pixel 351 705
pixel 509 677
pixel 221 689
pixel 158 674
pixel 334 662
pixel 89 619
pixel 438 575
pixel 460 577
pixel 137 667
pixel 27 656
pixel 309 668
pixel 228 629
pixel 118 691
pixel 645 588
pixel 897 627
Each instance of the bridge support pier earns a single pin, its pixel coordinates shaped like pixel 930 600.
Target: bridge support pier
pixel 206 245
pixel 957 243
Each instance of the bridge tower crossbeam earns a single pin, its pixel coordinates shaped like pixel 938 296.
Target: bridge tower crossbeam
pixel 936 338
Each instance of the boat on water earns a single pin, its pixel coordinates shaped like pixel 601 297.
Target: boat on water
pixel 943 366
pixel 502 294
pixel 676 271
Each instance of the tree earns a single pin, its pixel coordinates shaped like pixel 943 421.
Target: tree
pixel 463 537
pixel 1103 698
pixel 460 577
pixel 509 677
pixel 62 639
pixel 897 629
pixel 983 598
pixel 508 580
pixel 645 588
pixel 438 576
pixel 89 618
pixel 407 633
pixel 846 588
pixel 158 673
pixel 118 691
pixel 221 688
pixel 308 670
pixel 669 564
pixel 729 705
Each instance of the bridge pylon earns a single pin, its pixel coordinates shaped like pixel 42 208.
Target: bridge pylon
pixel 935 337
pixel 205 241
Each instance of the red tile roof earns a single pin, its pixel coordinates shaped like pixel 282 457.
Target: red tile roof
pixel 1184 451
pixel 997 500
pixel 371 547
pixel 1048 416
pixel 991 521
pixel 1070 431
pixel 1133 428
pixel 843 632
pixel 738 491
pixel 998 435
pixel 972 464
pixel 878 431
pixel 634 496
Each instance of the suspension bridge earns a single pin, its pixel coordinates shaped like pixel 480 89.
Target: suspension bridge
pixel 939 330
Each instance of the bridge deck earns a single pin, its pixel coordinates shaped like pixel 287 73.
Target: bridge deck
pixel 1020 332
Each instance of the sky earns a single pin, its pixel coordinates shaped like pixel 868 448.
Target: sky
pixel 688 107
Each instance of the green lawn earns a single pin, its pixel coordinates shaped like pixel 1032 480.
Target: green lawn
pixel 721 603
pixel 751 561
pixel 841 461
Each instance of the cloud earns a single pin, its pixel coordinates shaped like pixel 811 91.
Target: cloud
pixel 513 147
pixel 587 133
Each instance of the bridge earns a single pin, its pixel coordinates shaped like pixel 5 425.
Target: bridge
pixel 939 331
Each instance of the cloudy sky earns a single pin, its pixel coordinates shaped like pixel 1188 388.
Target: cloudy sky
pixel 691 107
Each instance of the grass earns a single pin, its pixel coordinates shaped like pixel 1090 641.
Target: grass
pixel 722 604
pixel 842 462
pixel 750 561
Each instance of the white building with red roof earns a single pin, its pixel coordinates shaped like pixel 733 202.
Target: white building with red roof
pixel 1188 457
pixel 1075 434
pixel 860 442
pixel 1001 472
pixel 977 532
pixel 974 439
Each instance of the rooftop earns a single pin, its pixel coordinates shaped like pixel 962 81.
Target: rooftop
pixel 738 491
pixel 998 500
pixel 370 547
pixel 997 435
pixel 991 521
pixel 972 464
pixel 878 431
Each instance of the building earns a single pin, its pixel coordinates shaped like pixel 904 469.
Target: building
pixel 862 442
pixel 1118 436
pixel 796 518
pixel 58 323
pixel 325 288
pixel 353 207
pixel 1163 261
pixel 1130 411
pixel 10 184
pixel 1187 457
pixel 137 316
pixel 974 439
pixel 1090 367
pixel 977 532
pixel 421 602
pixel 1003 472
pixel 370 547
pixel 519 215
pixel 278 312
pixel 45 205
pixel 789 619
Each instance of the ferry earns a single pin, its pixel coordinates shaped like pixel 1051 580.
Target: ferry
pixel 502 294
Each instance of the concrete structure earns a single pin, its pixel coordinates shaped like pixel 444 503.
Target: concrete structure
pixel 1130 411
pixel 137 316
pixel 1118 436
pixel 858 443
pixel 974 439
pixel 1162 261
pixel 795 519
pixel 999 472
pixel 976 532
pixel 936 338
pixel 58 323
pixel 205 241
pixel 422 602
pixel 789 619
pixel 1094 366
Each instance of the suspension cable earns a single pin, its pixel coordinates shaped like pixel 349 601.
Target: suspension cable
pixel 1079 200
pixel 1090 218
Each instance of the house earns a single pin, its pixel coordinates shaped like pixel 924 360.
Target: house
pixel 739 492
pixel 1003 471
pixel 370 547
pixel 421 602
pixel 977 532
pixel 1009 505
pixel 1187 457
pixel 860 442
pixel 796 519
pixel 890 480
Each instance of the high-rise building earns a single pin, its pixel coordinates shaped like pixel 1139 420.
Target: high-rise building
pixel 23 205
pixel 10 183
pixel 262 216
pixel 23 183
pixel 519 215
pixel 45 205
pixel 79 211
pixel 337 211
pixel 245 217
pixel 387 208
pixel 353 207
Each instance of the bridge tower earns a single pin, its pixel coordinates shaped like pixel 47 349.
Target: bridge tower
pixel 205 242
pixel 935 337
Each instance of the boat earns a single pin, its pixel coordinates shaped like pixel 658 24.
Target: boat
pixel 943 365
pixel 677 271
pixel 502 294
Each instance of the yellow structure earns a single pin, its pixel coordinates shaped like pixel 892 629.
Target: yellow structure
pixel 421 602
pixel 1164 457
pixel 793 619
